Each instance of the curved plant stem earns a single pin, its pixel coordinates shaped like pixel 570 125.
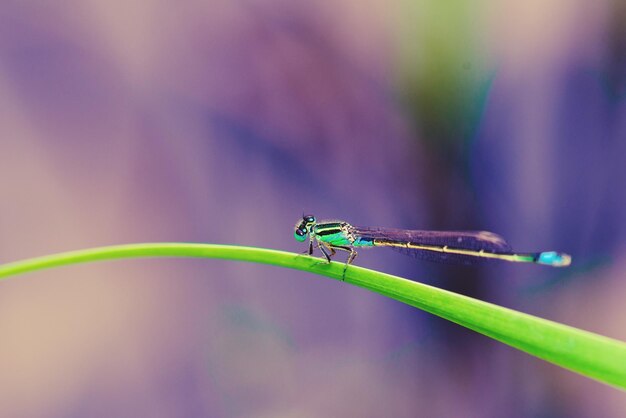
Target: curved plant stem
pixel 592 355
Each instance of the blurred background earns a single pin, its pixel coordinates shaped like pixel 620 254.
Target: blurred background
pixel 223 121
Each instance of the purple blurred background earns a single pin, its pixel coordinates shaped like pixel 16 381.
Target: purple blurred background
pixel 223 121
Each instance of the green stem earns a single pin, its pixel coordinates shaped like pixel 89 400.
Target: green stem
pixel 589 354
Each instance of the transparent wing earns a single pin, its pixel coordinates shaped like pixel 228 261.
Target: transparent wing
pixel 464 240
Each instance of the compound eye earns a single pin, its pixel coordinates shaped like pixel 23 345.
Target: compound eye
pixel 309 218
pixel 300 234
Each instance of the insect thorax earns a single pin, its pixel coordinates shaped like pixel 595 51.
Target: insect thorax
pixel 333 233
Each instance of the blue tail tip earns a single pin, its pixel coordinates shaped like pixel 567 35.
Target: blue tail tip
pixel 552 258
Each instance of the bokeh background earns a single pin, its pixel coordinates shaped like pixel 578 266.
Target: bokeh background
pixel 222 121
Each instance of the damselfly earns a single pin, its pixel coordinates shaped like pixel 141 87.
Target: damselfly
pixel 452 247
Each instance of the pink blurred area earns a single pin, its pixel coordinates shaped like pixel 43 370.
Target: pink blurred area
pixel 222 122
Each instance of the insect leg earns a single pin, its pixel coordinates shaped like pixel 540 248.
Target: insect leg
pixel 352 255
pixel 324 249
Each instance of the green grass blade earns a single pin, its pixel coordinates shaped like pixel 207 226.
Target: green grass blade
pixel 592 355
